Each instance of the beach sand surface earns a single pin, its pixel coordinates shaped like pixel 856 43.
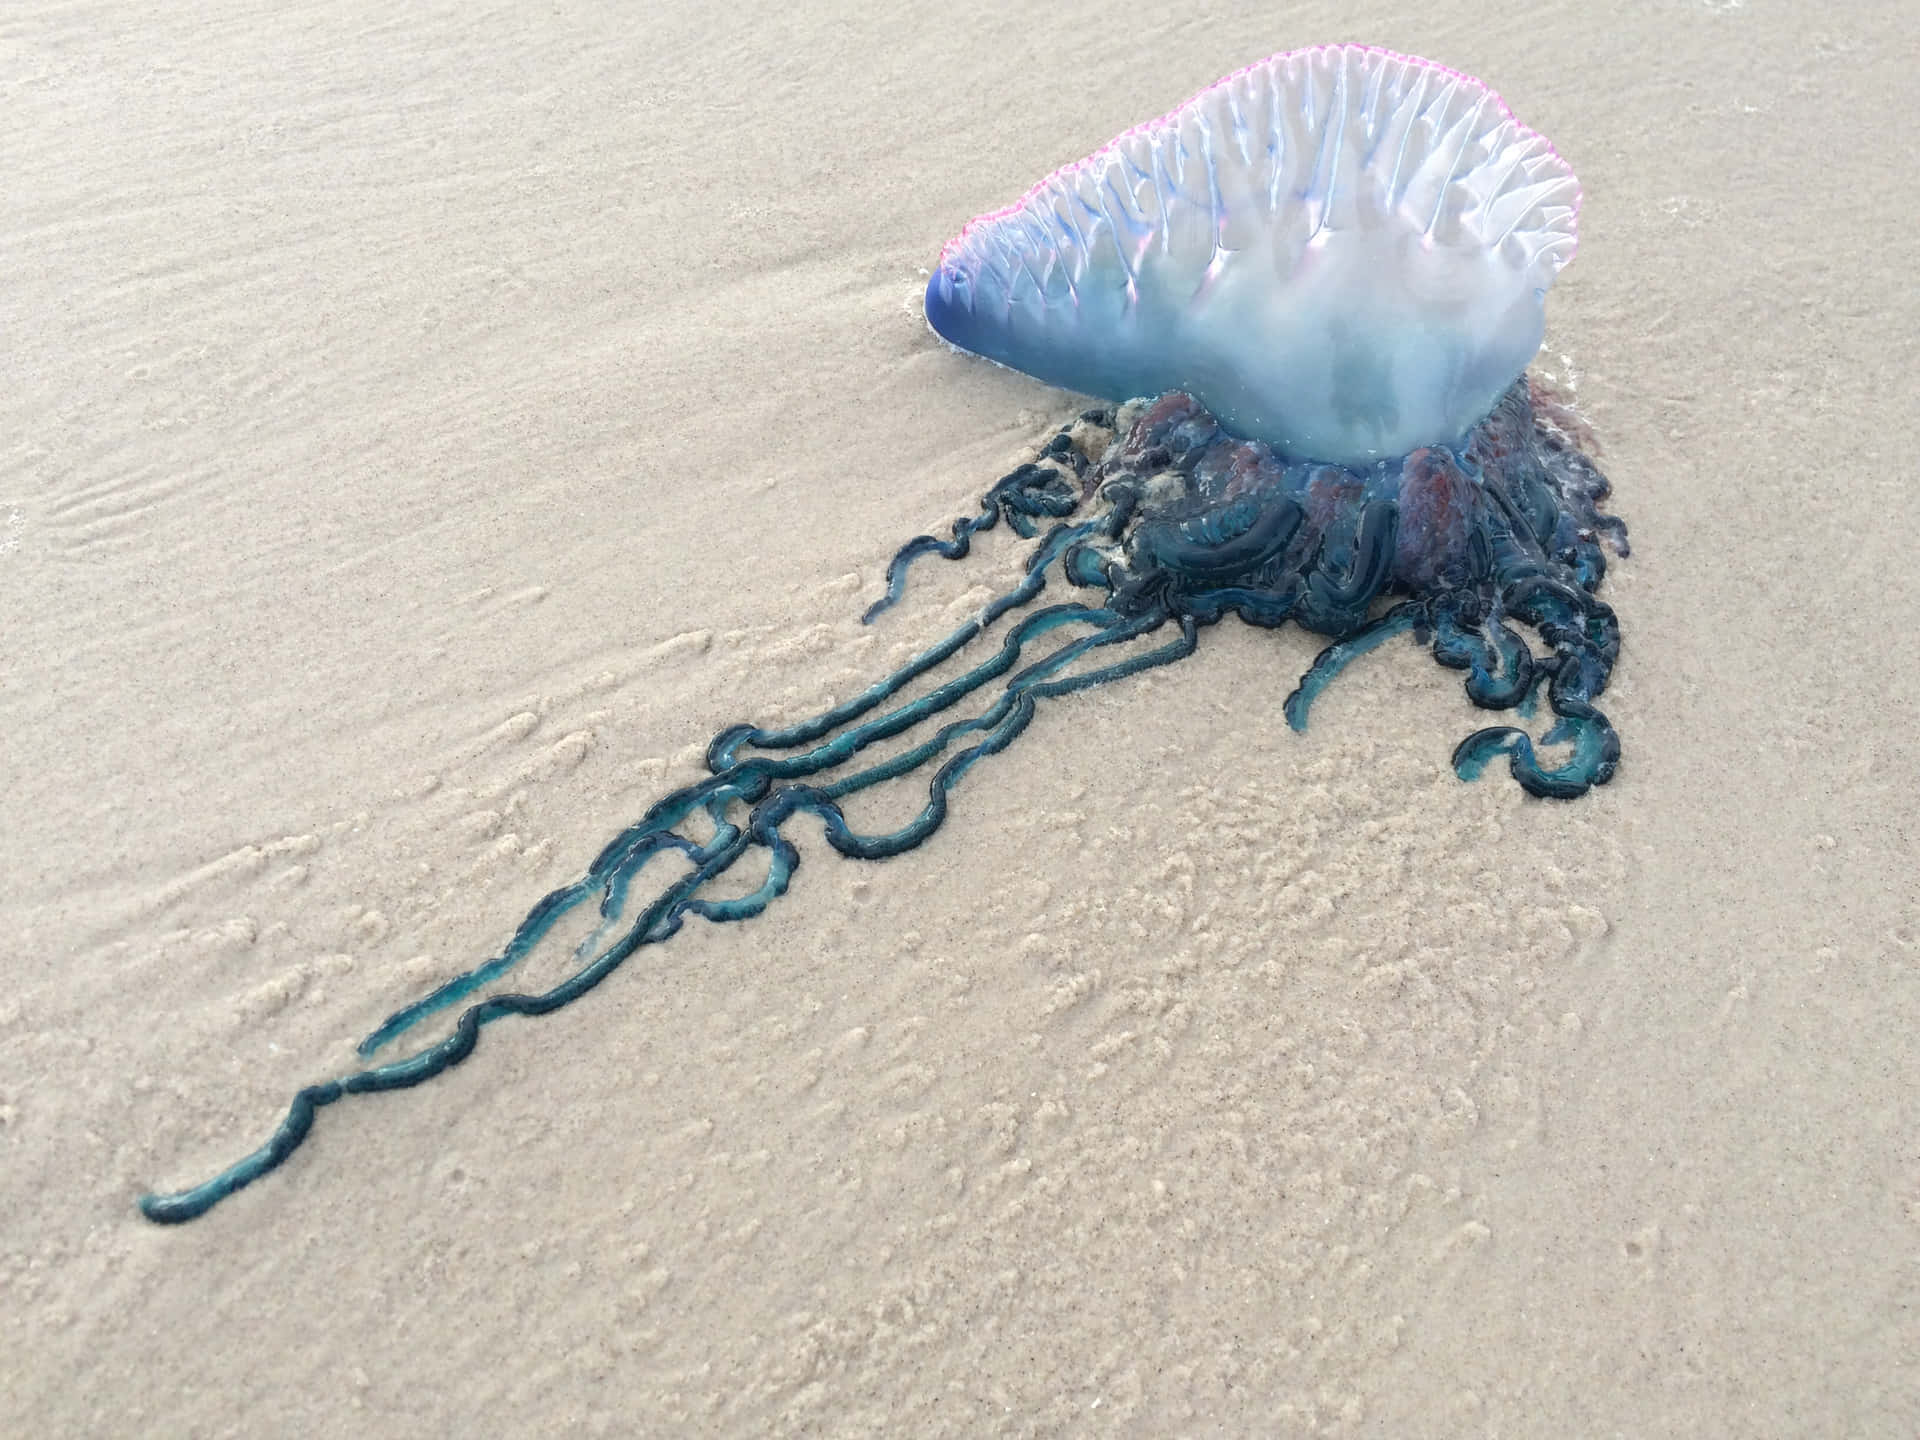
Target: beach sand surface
pixel 425 427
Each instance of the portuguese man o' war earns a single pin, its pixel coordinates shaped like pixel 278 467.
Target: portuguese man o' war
pixel 1307 299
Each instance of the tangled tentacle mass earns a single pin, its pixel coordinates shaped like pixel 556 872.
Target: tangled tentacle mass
pixel 1168 524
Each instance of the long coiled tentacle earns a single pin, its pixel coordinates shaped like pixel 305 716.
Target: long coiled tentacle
pixel 1035 490
pixel 774 781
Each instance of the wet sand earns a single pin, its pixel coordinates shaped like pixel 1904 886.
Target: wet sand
pixel 423 433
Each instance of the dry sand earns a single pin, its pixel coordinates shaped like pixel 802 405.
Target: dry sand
pixel 420 434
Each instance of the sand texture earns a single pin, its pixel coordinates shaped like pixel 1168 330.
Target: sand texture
pixel 425 426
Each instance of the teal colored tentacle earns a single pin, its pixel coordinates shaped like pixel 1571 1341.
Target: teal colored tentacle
pixel 1342 653
pixel 767 782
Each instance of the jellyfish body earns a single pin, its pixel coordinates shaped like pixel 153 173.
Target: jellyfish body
pixel 1377 468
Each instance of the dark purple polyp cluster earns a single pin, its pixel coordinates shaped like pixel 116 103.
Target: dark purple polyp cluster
pixel 1461 545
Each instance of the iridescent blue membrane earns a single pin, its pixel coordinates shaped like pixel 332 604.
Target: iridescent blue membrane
pixel 1342 252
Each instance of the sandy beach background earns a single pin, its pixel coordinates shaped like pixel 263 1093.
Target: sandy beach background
pixel 423 429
